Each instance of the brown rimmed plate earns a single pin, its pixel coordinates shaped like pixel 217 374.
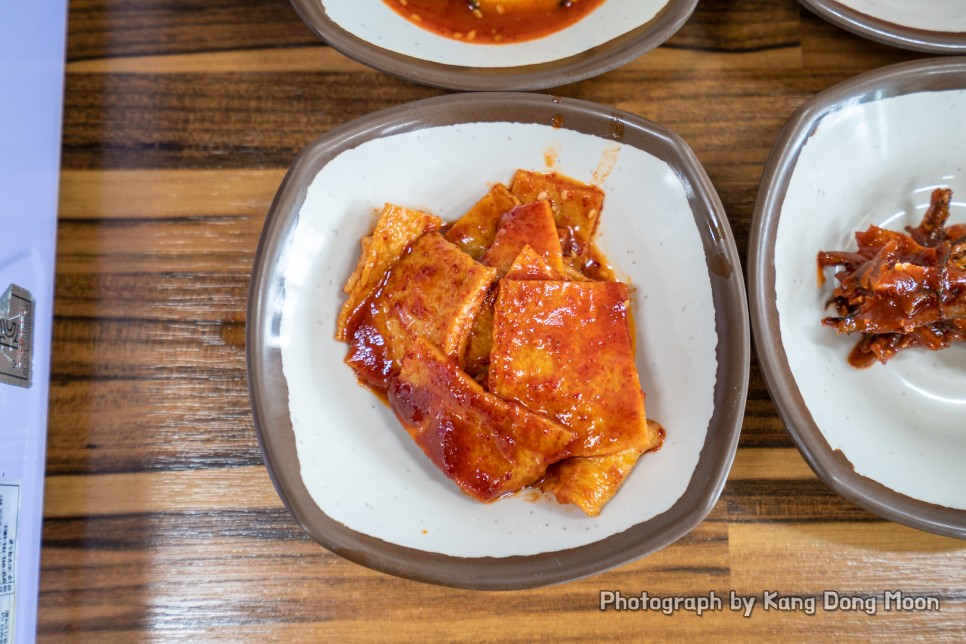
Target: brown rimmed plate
pixel 890 438
pixel 918 26
pixel 614 34
pixel 342 464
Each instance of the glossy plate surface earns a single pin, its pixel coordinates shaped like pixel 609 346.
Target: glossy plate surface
pixel 616 32
pixel 892 438
pixel 340 460
pixel 934 26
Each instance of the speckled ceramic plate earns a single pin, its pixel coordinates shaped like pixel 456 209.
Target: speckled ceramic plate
pixel 342 463
pixel 613 34
pixel 892 438
pixel 934 26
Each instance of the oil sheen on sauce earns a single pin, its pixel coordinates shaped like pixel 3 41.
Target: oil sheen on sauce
pixel 490 22
pixel 369 354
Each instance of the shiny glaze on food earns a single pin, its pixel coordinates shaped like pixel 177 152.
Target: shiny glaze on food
pixel 902 290
pixel 489 446
pixel 502 342
pixel 493 22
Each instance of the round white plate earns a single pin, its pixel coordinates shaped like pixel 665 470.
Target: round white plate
pixel 614 33
pixel 869 151
pixel 374 21
pixel 934 26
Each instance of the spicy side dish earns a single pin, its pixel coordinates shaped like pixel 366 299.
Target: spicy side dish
pixel 503 343
pixel 492 22
pixel 901 290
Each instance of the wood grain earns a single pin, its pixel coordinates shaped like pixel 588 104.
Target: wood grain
pixel 161 521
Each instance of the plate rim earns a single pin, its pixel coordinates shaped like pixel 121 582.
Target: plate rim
pixel 888 33
pixel 831 466
pixel 592 62
pixel 273 425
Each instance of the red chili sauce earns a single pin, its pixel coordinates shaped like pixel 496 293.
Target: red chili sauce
pixel 489 22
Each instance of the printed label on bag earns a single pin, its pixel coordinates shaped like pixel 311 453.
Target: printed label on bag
pixel 9 507
pixel 16 336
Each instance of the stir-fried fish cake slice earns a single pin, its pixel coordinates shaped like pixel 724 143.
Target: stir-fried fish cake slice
pixel 396 229
pixel 489 446
pixel 564 349
pixel 530 225
pixel 474 231
pixel 530 265
pixel 433 292
pixel 589 482
pixel 576 208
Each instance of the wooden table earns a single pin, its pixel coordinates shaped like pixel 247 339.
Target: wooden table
pixel 161 521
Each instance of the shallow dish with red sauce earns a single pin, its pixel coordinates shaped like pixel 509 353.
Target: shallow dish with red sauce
pixel 339 457
pixel 494 45
pixel 874 157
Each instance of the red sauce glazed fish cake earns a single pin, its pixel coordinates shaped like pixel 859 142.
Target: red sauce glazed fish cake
pixel 503 344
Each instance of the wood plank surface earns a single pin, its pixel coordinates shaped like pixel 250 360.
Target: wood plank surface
pixel 161 523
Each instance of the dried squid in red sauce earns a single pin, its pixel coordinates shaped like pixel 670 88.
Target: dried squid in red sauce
pixel 901 290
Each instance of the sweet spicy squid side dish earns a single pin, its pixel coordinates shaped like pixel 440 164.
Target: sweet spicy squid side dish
pixel 503 343
pixel 901 290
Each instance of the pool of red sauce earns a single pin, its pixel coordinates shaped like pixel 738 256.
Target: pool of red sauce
pixel 455 19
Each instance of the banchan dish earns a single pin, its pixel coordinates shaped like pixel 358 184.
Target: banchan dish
pixel 933 26
pixel 339 459
pixel 891 438
pixel 613 34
